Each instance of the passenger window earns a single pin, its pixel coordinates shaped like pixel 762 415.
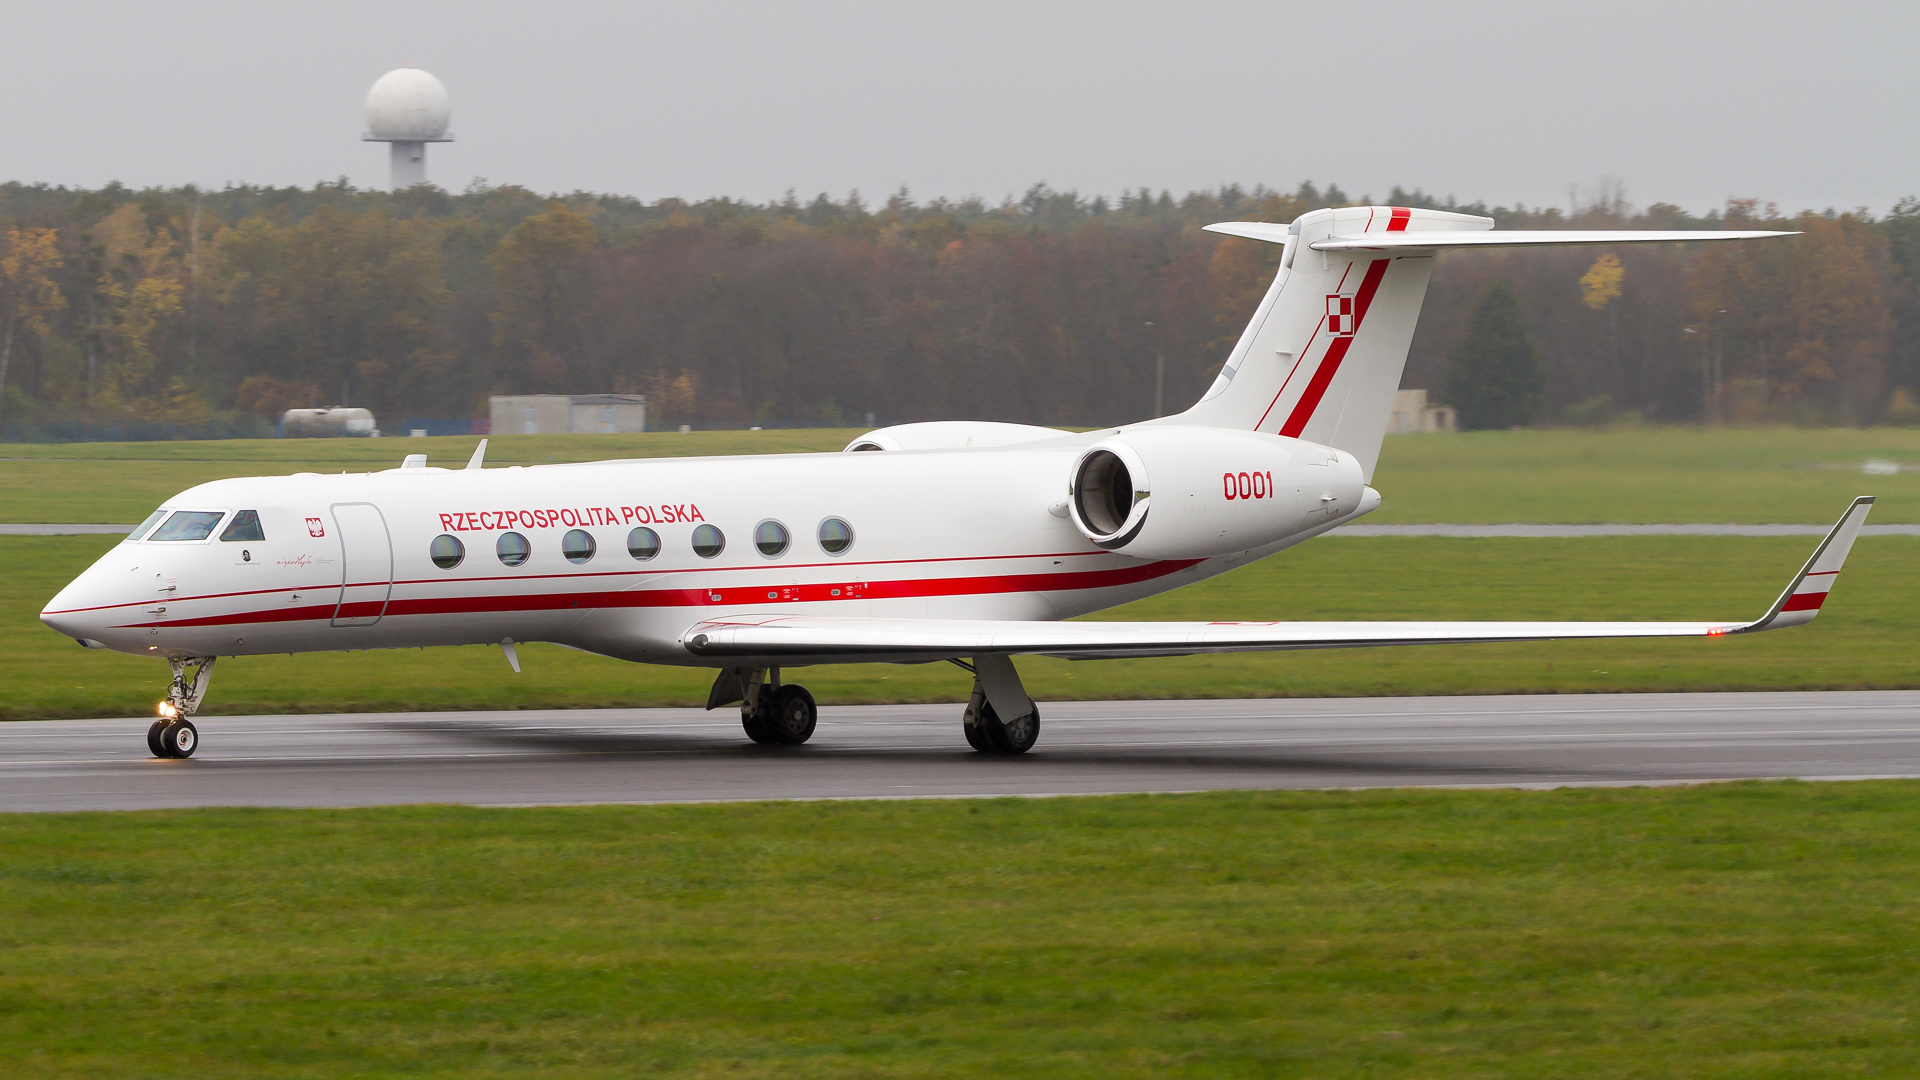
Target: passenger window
pixel 244 526
pixel 448 551
pixel 577 546
pixel 836 536
pixel 771 538
pixel 643 543
pixel 140 530
pixel 188 525
pixel 708 541
pixel 512 548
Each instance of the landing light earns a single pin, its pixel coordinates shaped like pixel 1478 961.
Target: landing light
pixel 167 710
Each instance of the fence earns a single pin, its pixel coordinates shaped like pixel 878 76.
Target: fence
pixel 444 425
pixel 66 431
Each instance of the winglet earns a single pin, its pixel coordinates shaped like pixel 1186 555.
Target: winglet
pixel 1803 597
pixel 479 455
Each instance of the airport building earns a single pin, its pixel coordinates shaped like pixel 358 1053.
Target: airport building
pixel 1411 414
pixel 564 414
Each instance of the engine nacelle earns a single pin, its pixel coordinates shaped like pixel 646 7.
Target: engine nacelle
pixel 1194 493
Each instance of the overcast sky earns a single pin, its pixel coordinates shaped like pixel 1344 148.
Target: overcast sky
pixel 1804 104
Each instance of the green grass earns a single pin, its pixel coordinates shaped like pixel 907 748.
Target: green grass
pixel 1735 475
pixel 123 482
pixel 1750 930
pixel 1867 637
pixel 1650 475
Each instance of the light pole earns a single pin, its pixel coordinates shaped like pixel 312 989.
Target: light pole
pixel 1717 321
pixel 1159 371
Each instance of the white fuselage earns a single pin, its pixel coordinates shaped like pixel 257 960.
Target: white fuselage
pixel 346 560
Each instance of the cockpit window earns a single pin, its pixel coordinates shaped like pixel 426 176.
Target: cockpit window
pixel 188 525
pixel 140 530
pixel 244 526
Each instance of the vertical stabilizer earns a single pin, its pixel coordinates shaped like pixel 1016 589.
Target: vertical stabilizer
pixel 1323 355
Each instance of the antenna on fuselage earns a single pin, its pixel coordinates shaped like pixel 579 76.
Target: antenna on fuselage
pixel 479 455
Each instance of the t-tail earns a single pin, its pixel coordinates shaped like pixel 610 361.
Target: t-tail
pixel 1323 355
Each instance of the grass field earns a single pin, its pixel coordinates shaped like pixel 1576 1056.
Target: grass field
pixel 1868 636
pixel 1750 930
pixel 1648 475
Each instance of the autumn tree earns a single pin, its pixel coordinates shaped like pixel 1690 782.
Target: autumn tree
pixel 1496 377
pixel 28 293
pixel 349 301
pixel 541 266
pixel 1806 318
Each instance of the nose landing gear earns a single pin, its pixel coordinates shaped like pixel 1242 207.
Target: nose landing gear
pixel 173 735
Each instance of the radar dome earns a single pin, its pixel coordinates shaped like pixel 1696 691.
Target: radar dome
pixel 408 104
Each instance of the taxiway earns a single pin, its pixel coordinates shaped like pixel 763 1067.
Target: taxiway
pixel 685 755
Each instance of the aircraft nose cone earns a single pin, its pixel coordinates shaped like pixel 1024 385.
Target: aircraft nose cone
pixel 75 613
pixel 59 618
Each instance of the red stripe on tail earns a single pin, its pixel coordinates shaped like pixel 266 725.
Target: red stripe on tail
pixel 1336 352
pixel 1401 215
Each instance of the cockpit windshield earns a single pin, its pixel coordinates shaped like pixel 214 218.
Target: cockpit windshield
pixel 188 525
pixel 244 526
pixel 140 530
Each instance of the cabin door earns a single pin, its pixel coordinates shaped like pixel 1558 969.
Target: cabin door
pixel 366 564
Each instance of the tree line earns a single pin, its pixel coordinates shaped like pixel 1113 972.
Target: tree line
pixel 187 305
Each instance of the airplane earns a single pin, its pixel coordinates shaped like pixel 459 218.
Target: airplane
pixel 961 542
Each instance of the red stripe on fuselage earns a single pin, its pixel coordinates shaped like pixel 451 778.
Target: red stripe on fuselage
pixel 324 586
pixel 1336 352
pixel 732 595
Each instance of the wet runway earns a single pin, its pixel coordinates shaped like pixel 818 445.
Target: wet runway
pixel 676 755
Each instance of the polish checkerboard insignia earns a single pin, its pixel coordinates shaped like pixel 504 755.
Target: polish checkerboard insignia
pixel 1340 320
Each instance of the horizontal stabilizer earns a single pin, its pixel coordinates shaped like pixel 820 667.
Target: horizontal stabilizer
pixel 776 638
pixel 1426 241
pixel 1477 234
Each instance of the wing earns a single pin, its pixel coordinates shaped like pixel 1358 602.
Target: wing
pixel 776 638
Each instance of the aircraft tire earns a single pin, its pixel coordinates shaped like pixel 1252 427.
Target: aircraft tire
pixel 153 739
pixel 793 715
pixel 976 734
pixel 1015 738
pixel 753 718
pixel 180 738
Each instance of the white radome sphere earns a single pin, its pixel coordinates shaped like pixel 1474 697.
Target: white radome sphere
pixel 407 103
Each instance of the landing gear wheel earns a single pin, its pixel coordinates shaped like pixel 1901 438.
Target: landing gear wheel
pixel 976 733
pixel 987 733
pixel 753 716
pixel 179 739
pixel 793 715
pixel 153 739
pixel 1016 737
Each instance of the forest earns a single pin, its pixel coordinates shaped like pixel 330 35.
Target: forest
pixel 216 310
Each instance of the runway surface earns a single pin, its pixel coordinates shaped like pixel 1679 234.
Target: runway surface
pixel 683 755
pixel 1547 531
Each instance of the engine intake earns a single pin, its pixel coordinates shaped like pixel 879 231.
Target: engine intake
pixel 1109 499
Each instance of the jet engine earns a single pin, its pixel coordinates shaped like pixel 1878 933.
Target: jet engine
pixel 1191 493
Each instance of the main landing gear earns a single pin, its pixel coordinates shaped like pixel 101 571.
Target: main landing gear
pixel 173 735
pixel 771 713
pixel 997 694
